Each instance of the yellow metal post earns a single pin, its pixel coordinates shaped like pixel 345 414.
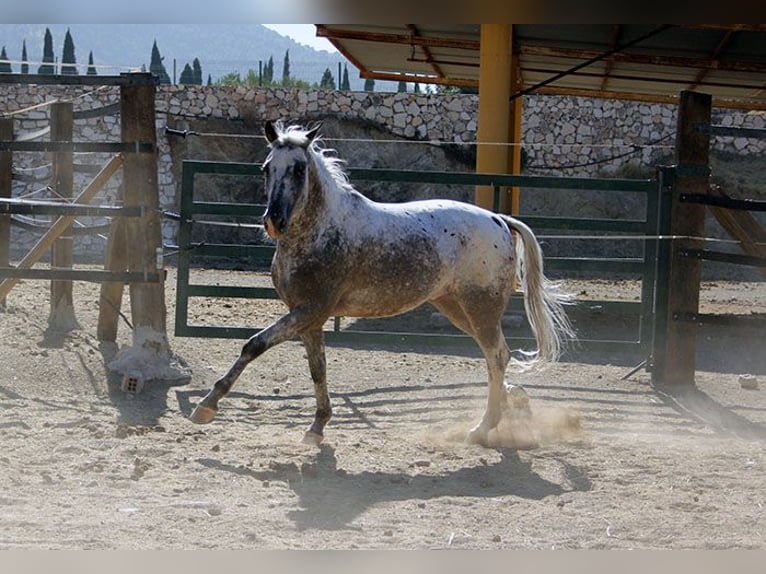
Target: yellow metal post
pixel 494 110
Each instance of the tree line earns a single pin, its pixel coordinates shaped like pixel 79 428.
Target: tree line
pixel 191 73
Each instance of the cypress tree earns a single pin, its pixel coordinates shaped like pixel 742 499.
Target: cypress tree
pixel 328 81
pixel 369 85
pixel 47 66
pixel 156 66
pixel 268 71
pixel 344 83
pixel 91 67
pixel 402 87
pixel 209 80
pixel 5 65
pixel 68 59
pixel 24 65
pixel 197 69
pixel 286 69
pixel 187 75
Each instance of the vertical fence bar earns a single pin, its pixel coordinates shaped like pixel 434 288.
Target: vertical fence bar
pixel 648 277
pixel 184 242
pixel 62 315
pixel 6 187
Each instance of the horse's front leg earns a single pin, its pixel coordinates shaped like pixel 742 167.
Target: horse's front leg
pixel 314 343
pixel 284 329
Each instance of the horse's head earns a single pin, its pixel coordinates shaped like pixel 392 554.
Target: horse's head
pixel 286 172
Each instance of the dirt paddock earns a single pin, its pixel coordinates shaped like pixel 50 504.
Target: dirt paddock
pixel 603 462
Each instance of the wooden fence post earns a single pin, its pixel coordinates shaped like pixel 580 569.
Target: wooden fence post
pixel 62 315
pixel 675 349
pixel 144 234
pixel 6 187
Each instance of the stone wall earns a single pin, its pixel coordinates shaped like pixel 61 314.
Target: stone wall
pixel 562 135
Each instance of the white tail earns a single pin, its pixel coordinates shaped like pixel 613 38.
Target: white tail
pixel 543 299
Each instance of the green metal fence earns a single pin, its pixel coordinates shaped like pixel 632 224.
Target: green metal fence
pixel 643 229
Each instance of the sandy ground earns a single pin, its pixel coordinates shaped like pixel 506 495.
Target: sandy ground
pixel 603 462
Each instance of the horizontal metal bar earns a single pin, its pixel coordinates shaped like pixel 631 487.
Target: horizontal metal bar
pixel 719 201
pixel 262 252
pixel 233 291
pixel 400 338
pixel 502 180
pixel 125 79
pixel 734 258
pixel 221 168
pixel 78 147
pixel 625 265
pixel 93 276
pixel 579 224
pixel 31 207
pixel 224 208
pixel 732 131
pixel 446 177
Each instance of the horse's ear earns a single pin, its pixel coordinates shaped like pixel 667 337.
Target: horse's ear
pixel 270 131
pixel 313 132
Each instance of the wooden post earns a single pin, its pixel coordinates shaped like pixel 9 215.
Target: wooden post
pixel 110 300
pixel 144 234
pixel 674 360
pixel 6 188
pixel 515 132
pixel 62 315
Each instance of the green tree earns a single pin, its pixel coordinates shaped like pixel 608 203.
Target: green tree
pixel 24 65
pixel 91 66
pixel 68 60
pixel 402 87
pixel 230 79
pixel 268 71
pixel 197 69
pixel 47 66
pixel 369 85
pixel 344 83
pixel 286 68
pixel 209 80
pixel 328 81
pixel 157 67
pixel 187 75
pixel 5 65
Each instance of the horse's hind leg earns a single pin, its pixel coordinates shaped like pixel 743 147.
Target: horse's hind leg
pixel 314 343
pixel 484 326
pixel 497 355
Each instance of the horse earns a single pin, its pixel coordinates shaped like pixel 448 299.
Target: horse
pixel 339 253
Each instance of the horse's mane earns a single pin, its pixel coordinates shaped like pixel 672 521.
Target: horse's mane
pixel 329 166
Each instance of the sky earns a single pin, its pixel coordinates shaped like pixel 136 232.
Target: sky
pixel 304 34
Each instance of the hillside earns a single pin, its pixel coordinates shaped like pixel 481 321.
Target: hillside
pixel 221 48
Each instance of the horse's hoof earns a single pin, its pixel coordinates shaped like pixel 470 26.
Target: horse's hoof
pixel 312 438
pixel 202 415
pixel 477 436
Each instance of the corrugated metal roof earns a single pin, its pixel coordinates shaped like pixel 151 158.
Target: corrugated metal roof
pixel 727 61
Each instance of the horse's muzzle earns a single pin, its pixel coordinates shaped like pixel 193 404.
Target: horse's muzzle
pixel 274 226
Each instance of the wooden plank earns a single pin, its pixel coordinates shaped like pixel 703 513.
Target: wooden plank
pixel 144 235
pixel 62 316
pixel 742 226
pixel 90 275
pixel 60 225
pixel 675 350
